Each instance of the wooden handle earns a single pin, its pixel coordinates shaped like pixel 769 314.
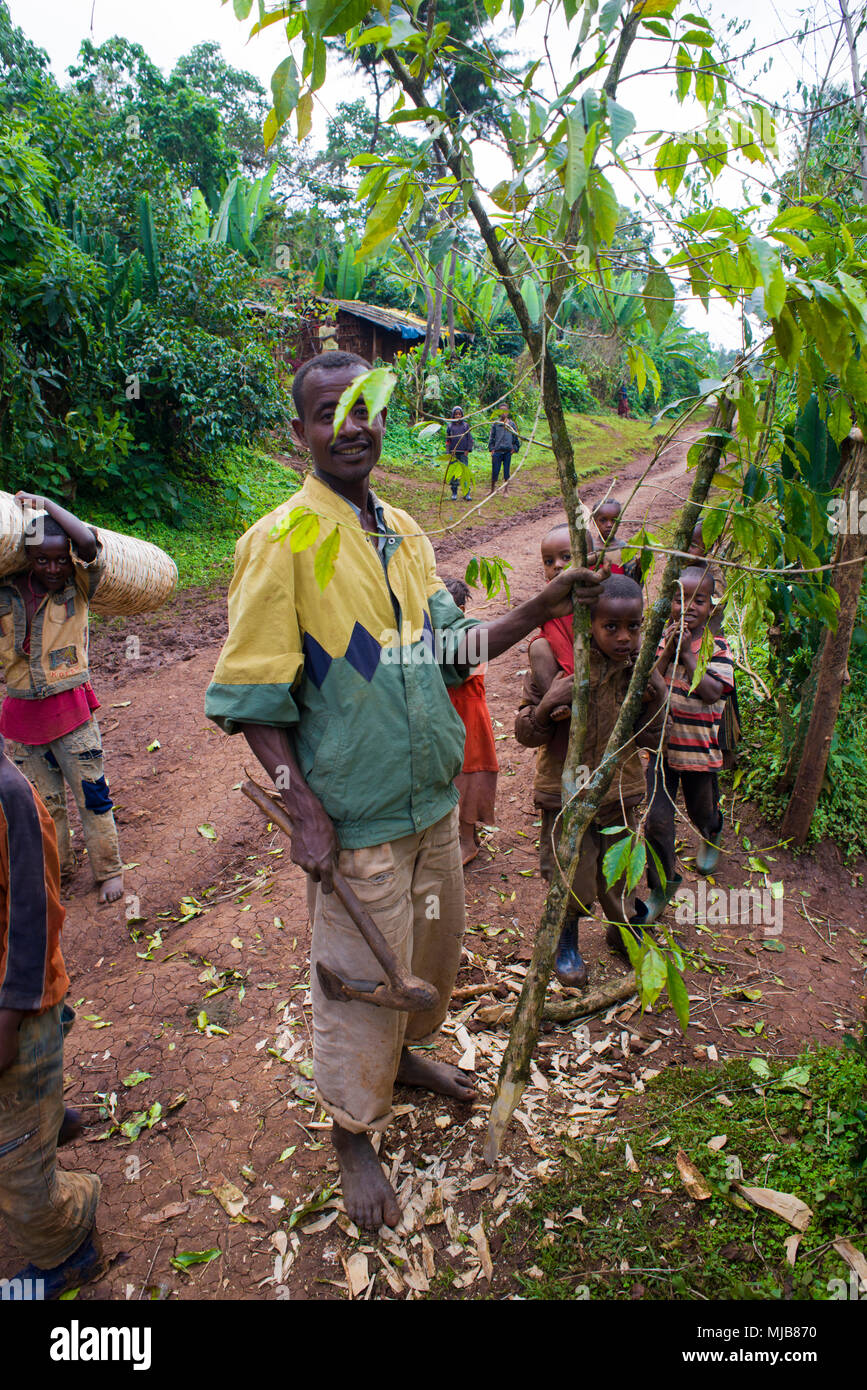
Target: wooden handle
pixel 361 918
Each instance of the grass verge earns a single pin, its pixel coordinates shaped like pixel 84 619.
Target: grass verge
pixel 602 1230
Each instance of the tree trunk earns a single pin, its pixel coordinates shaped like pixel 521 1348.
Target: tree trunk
pixel 515 1068
pixel 451 299
pixel 435 319
pixel 831 666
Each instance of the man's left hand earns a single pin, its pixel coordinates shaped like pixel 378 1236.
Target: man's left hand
pixel 584 584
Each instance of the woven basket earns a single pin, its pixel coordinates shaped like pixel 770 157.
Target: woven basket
pixel 138 577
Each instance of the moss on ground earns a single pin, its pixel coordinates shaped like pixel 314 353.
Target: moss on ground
pixel 602 1231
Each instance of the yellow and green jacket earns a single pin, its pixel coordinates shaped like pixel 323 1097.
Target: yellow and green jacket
pixel 357 671
pixel 58 658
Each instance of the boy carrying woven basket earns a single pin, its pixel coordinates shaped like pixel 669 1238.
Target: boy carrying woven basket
pixel 47 715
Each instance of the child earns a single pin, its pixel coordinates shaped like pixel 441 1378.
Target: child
pixel 459 445
pixel 47 715
pixel 691 752
pixel 477 781
pixel 50 1212
pixel 615 636
pixel 730 725
pixel 503 442
pixel 606 515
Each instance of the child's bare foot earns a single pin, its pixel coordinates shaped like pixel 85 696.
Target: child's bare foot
pixel 440 1077
pixel 367 1194
pixel 111 889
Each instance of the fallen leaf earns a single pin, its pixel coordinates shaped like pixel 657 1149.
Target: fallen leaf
pixel 321 1225
pixel 236 940
pixel 630 1160
pixel 152 748
pixel 135 1078
pixel 230 1197
pixel 166 1213
pixel 791 1247
pixel 357 1273
pixel 186 1258
pixel 718 1142
pixel 207 831
pixel 782 1204
pixel 691 1178
pixel 480 1240
pixel 854 1259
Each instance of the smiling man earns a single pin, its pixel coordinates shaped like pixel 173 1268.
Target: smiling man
pixel 363 748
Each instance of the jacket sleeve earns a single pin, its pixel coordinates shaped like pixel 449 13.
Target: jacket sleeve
pixel 527 731
pixel 491 439
pixel 23 901
pixel 262 658
pixel 88 573
pixel 449 623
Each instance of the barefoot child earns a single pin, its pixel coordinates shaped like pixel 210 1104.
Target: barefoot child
pixel 615 637
pixel 47 715
pixel 691 752
pixel 50 1212
pixel 477 780
pixel 351 720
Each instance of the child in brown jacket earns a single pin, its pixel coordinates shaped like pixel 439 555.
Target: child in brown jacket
pixel 543 722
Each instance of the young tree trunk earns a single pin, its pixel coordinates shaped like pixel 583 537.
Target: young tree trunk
pixel 451 299
pixel 515 1068
pixel 831 667
pixel 435 319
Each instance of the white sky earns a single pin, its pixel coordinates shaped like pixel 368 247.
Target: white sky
pixel 166 29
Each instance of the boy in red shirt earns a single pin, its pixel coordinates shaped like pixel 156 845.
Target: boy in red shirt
pixel 691 752
pixel 477 780
pixel 47 715
pixel 51 1212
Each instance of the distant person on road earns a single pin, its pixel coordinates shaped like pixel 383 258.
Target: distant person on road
pixel 503 442
pixel 459 446
pixel 47 715
pixel 50 1212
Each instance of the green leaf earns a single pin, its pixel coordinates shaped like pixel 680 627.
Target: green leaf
pixel 760 1067
pixel 609 15
pixel 616 860
pixel 333 17
pixel 285 89
pixel 767 263
pixel 653 974
pixel 663 8
pixel 135 1078
pixel 375 386
pixel 658 298
pixel 187 1258
pixel 621 122
pixel 677 993
pixel 242 8
pixel 604 207
pixel 207 831
pixel 384 220
pixel 574 168
pixel 635 868
pixel 326 558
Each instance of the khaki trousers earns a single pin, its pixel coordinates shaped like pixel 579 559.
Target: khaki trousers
pixel 414 890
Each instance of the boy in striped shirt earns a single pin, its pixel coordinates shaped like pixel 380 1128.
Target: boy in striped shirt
pixel 691 752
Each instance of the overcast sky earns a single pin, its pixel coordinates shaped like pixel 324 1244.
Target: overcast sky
pixel 166 29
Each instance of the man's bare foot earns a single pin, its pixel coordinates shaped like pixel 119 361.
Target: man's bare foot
pixel 441 1077
pixel 367 1194
pixel 111 889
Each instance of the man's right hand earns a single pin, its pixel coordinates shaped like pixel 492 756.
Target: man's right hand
pixel 9 1021
pixel 314 842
